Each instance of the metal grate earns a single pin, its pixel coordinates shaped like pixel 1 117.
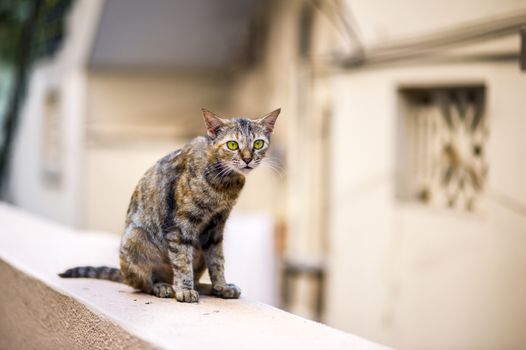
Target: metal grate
pixel 446 134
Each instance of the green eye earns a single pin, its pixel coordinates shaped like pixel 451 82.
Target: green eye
pixel 258 144
pixel 232 145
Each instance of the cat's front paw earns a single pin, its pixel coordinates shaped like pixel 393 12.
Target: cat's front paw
pixel 187 295
pixel 226 291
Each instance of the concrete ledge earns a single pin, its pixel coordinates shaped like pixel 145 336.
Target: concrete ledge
pixel 40 310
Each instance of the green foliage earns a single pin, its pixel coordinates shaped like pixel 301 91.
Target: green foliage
pixel 51 28
pixel 12 20
pixel 47 36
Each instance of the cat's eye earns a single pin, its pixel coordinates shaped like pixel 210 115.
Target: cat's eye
pixel 232 145
pixel 258 144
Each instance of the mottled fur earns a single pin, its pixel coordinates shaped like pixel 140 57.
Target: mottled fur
pixel 176 216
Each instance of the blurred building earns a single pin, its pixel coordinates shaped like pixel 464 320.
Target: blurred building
pixel 403 190
pixel 119 96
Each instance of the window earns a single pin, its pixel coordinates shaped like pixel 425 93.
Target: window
pixel 441 154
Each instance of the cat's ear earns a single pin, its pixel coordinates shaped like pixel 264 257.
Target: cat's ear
pixel 269 120
pixel 213 123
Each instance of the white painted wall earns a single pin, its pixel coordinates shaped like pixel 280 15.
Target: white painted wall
pixel 250 256
pixel 414 277
pixel 65 75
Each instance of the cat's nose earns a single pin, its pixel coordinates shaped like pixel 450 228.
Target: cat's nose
pixel 247 159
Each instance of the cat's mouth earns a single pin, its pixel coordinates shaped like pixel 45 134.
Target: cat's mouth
pixel 246 169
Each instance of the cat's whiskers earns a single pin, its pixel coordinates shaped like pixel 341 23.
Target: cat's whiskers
pixel 226 170
pixel 273 160
pixel 213 167
pixel 274 167
pixel 274 163
pixel 210 167
pixel 219 173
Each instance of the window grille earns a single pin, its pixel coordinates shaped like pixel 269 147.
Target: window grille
pixel 445 132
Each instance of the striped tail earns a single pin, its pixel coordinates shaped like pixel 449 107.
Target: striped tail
pixel 101 273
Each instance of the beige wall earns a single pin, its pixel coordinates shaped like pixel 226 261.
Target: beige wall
pixel 414 277
pixel 127 105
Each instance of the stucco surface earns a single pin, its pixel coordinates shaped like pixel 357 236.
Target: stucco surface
pixel 40 310
pixel 33 316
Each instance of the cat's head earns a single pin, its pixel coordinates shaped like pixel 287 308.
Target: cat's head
pixel 239 144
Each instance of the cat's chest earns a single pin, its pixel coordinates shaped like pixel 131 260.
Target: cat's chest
pixel 212 226
pixel 208 202
pixel 212 198
pixel 202 204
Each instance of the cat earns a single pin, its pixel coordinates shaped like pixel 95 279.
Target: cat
pixel 177 213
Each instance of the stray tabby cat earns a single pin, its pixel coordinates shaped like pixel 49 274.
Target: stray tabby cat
pixel 176 216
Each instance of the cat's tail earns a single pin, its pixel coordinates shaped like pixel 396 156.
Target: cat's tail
pixel 101 273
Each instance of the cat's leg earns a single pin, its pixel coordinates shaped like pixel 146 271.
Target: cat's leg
pixel 198 265
pixel 143 264
pixel 163 290
pixel 215 261
pixel 162 278
pixel 199 269
pixel 181 249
